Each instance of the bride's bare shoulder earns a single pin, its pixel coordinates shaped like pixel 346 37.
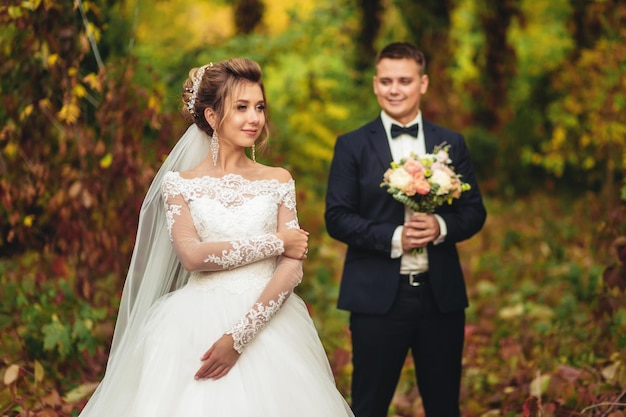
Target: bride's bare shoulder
pixel 276 173
pixel 201 170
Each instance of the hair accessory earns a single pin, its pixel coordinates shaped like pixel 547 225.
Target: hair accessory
pixel 253 154
pixel 215 147
pixel 196 85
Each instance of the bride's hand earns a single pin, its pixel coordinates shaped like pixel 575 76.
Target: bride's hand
pixel 295 242
pixel 218 360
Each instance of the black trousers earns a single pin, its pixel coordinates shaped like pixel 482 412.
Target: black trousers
pixel 380 344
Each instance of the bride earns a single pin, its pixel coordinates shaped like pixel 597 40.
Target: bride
pixel 208 323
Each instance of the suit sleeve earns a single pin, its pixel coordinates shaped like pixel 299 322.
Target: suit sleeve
pixel 466 215
pixel 357 208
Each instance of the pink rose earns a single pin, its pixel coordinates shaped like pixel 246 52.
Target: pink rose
pixel 422 187
pixel 414 168
pixel 455 188
pixel 409 189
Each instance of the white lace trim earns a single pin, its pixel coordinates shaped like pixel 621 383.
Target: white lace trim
pixel 293 224
pixel 173 209
pixel 230 190
pixel 245 330
pixel 248 250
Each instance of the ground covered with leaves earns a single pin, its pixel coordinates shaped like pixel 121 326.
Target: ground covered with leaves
pixel 545 334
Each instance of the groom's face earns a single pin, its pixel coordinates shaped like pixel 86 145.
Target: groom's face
pixel 399 86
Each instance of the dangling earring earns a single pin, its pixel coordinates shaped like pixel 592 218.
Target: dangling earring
pixel 215 147
pixel 253 154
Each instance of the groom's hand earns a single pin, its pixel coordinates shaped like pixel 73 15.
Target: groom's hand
pixel 419 230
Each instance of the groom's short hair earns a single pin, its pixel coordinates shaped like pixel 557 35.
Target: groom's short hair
pixel 401 50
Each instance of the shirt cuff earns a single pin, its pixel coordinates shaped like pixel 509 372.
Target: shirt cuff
pixel 396 243
pixel 443 230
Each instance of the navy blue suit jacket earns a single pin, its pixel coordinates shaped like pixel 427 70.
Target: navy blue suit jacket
pixel 364 216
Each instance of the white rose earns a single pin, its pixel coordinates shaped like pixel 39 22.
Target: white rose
pixel 443 157
pixel 444 181
pixel 399 178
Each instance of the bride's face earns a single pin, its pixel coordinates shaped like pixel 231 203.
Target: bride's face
pixel 245 116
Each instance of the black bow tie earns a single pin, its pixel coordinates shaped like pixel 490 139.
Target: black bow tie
pixel 398 130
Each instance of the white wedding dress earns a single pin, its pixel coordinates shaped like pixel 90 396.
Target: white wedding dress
pixel 225 227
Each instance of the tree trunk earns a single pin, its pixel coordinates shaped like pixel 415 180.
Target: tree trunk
pixel 500 61
pixel 248 15
pixel 370 26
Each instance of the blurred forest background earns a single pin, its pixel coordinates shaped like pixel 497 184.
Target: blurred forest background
pixel 89 108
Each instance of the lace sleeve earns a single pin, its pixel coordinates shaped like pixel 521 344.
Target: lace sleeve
pixel 196 255
pixel 287 276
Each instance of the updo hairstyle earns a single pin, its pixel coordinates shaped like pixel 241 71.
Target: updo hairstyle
pixel 216 89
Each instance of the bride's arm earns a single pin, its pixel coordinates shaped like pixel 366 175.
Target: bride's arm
pixel 223 354
pixel 286 277
pixel 196 255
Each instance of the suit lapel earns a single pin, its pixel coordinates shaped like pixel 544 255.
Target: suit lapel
pixel 378 140
pixel 431 137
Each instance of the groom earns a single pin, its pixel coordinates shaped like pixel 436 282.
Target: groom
pixel 399 300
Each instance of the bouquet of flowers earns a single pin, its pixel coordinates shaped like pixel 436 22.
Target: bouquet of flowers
pixel 424 183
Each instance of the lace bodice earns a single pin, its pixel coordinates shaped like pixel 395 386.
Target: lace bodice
pixel 231 207
pixel 223 231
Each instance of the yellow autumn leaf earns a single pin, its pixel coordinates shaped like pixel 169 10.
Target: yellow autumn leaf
pixel 10 150
pixel 39 371
pixel 52 59
pixel 585 140
pixel 610 372
pixel 79 91
pixel 539 385
pixel 93 82
pixel 45 104
pixel 69 113
pixel 337 112
pixel 11 374
pixel 512 312
pixel 26 112
pixel 28 220
pixel 588 162
pixel 154 103
pixel 81 391
pixel 558 137
pixel 95 31
pixel 72 71
pixel 106 161
pixel 31 5
pixel 15 12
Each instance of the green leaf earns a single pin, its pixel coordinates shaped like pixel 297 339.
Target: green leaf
pixel 57 336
